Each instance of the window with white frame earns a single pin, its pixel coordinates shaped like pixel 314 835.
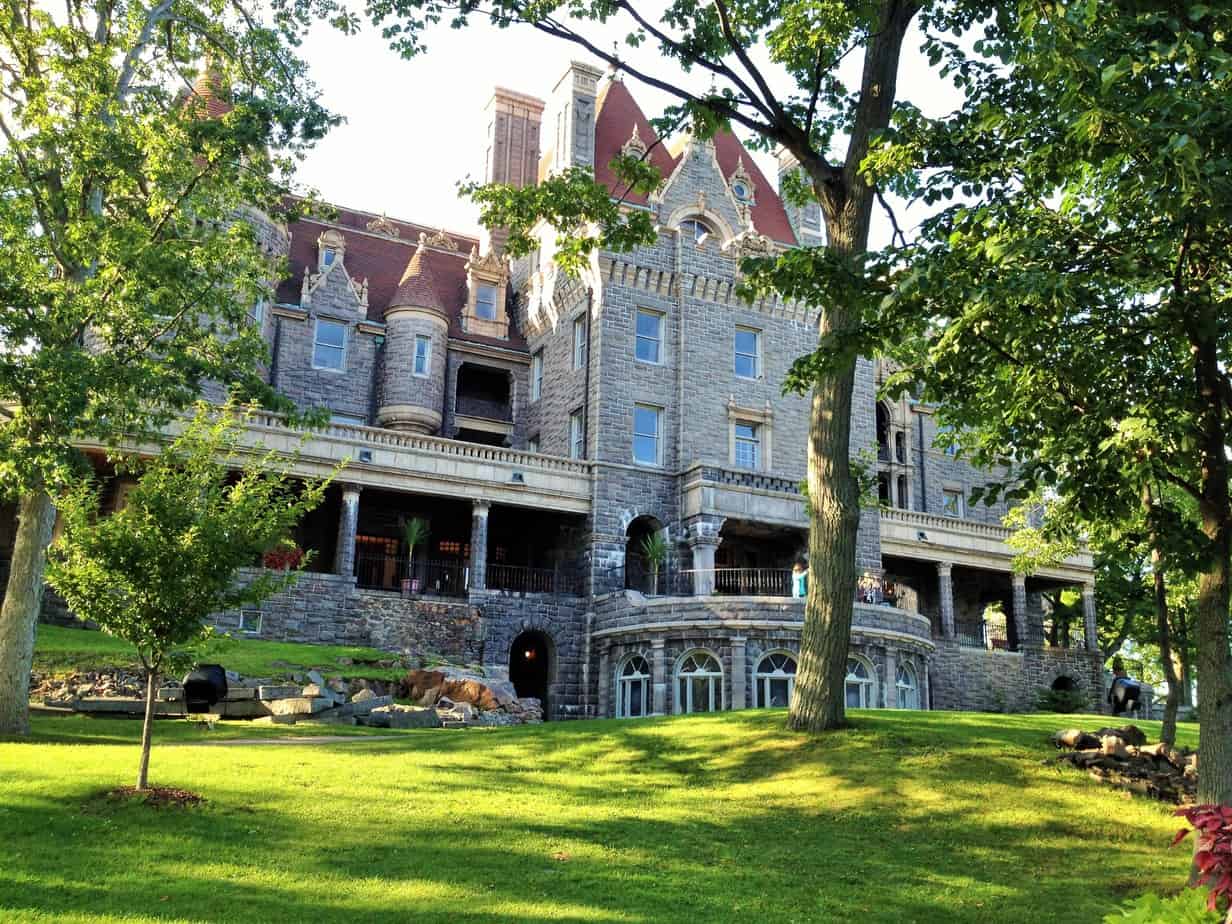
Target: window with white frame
pixel 536 375
pixel 485 302
pixel 329 345
pixel 694 229
pixel 579 342
pixel 250 621
pixel 748 353
pixel 328 256
pixel 633 689
pixel 423 356
pixel 532 444
pixel 774 680
pixel 699 683
pixel 861 684
pixel 748 444
pixel 647 423
pixel 649 345
pixel 577 434
pixel 952 502
pixel 907 687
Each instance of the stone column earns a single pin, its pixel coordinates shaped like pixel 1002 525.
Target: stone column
pixel 945 596
pixel 1019 582
pixel 658 677
pixel 703 567
pixel 891 678
pixel 479 545
pixel 606 683
pixel 1090 627
pixel 348 525
pixel 926 694
pixel 739 669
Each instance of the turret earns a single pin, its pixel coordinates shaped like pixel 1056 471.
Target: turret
pixel 416 333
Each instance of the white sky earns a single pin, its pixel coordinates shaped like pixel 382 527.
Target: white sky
pixel 415 128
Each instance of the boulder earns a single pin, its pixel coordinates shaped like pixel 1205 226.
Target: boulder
pixel 315 677
pixel 1113 746
pixel 313 690
pixel 1075 739
pixel 279 691
pixel 1130 734
pixel 363 695
pixel 416 683
pixel 300 705
pixel 397 716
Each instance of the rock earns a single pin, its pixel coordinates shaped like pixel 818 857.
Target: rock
pixel 315 677
pixel 416 683
pixel 275 720
pixel 1113 746
pixel 429 697
pixel 1075 739
pixel 313 690
pixel 398 716
pixel 337 684
pixel 1130 734
pixel 300 705
pixel 279 691
pixel 362 696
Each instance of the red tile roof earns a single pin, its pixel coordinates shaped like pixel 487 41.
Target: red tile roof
pixel 208 96
pixel 769 216
pixel 384 261
pixel 418 286
pixel 617 114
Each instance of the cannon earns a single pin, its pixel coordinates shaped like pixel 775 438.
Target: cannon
pixel 205 686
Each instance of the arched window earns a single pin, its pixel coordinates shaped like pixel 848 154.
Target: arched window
pixel 774 680
pixel 633 689
pixel 907 687
pixel 694 229
pixel 699 683
pixel 861 684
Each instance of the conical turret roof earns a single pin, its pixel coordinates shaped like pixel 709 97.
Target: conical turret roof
pixel 417 288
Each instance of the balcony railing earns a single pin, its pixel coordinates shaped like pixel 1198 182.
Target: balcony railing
pixel 742 582
pixel 990 635
pixel 487 408
pixel 520 579
pixel 447 578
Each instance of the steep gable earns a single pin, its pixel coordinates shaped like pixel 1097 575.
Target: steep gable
pixel 620 119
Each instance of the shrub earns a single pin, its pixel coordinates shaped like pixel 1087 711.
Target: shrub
pixel 1213 852
pixel 1187 908
pixel 1062 701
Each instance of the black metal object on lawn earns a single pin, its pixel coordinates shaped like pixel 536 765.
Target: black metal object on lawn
pixel 204 687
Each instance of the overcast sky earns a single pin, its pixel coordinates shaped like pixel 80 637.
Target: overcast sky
pixel 415 128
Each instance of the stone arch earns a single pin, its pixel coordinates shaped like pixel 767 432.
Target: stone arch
pixel 1065 683
pixel 533 665
pixel 640 575
pixel 693 210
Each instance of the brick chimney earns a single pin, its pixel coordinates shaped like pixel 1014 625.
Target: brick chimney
pixel 572 119
pixel 512 155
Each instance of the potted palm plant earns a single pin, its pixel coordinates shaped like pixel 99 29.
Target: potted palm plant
pixel 654 551
pixel 416 531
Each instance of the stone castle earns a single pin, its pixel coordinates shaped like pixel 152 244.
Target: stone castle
pixel 607 465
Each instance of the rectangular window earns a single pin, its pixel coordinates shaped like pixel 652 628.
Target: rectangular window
pixel 532 444
pixel 536 375
pixel 579 342
pixel 646 421
pixel 485 302
pixel 353 420
pixel 748 353
pixel 649 348
pixel 250 621
pixel 952 503
pixel 258 312
pixel 577 434
pixel 423 356
pixel 748 445
pixel 329 346
pixel 328 255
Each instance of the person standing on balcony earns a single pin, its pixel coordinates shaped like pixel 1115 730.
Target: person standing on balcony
pixel 799 579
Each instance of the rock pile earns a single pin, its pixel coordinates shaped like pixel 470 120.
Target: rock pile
pixel 1121 757
pixel 109 682
pixel 463 698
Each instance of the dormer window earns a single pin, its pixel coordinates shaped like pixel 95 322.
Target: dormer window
pixel 331 246
pixel 485 303
pixel 695 229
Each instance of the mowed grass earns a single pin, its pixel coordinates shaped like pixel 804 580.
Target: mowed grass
pixel 61 650
pixel 905 817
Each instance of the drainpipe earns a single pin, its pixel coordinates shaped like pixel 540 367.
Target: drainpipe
pixel 923 467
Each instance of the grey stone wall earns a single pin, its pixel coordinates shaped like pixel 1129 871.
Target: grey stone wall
pixel 397 380
pixel 1001 681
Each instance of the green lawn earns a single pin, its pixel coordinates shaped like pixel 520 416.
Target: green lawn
pixel 906 817
pixel 60 650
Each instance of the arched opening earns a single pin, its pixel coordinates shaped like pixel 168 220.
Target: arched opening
pixel 633 688
pixel 530 663
pixel 1065 684
pixel 883 432
pixel 646 556
pixel 699 683
pixel 774 680
pixel 861 684
pixel 695 229
pixel 906 686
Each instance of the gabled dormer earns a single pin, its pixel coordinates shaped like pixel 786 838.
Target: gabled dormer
pixel 331 286
pixel 487 280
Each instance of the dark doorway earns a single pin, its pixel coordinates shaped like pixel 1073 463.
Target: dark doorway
pixel 529 666
pixel 1065 684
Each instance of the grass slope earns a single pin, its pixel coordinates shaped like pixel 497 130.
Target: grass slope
pixel 907 817
pixel 59 650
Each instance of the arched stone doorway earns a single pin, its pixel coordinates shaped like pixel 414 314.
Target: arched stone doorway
pixel 1065 684
pixel 641 572
pixel 530 666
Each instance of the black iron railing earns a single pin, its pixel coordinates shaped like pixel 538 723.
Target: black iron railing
pixel 443 578
pixel 523 579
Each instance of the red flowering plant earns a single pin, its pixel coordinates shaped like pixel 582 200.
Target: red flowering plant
pixel 1213 856
pixel 285 557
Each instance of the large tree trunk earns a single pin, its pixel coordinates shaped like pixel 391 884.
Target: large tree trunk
pixel 1211 630
pixel 23 598
pixel 846 202
pixel 147 728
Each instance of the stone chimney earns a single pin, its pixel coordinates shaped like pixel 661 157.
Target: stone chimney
pixel 512 155
pixel 572 120
pixel 805 220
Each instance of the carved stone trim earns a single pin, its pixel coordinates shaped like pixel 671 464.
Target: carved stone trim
pixel 635 146
pixel 440 239
pixel 383 225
